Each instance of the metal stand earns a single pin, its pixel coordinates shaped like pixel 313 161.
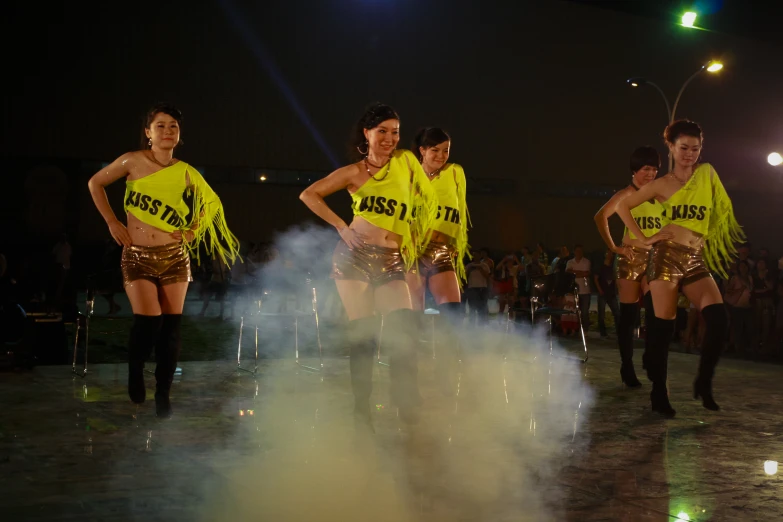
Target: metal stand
pixel 296 315
pixel 548 313
pixel 85 320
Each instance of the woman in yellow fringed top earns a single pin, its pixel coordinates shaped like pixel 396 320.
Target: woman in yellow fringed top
pixel 440 266
pixel 698 238
pixel 162 229
pixel 388 188
pixel 632 256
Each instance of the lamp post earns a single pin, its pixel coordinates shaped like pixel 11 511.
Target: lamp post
pixel 671 111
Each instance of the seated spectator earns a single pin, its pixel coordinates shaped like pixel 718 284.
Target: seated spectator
pixel 503 284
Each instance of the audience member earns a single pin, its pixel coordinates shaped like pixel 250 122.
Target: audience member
pixel 739 293
pixel 606 285
pixel 477 292
pixel 579 266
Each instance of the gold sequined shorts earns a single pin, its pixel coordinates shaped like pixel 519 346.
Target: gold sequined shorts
pixel 632 269
pixel 676 263
pixel 437 257
pixel 372 264
pixel 161 264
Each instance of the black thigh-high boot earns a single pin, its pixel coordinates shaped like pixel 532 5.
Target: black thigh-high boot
pixel 143 335
pixel 449 329
pixel 659 335
pixel 361 338
pixel 714 335
pixel 400 334
pixel 625 341
pixel 166 356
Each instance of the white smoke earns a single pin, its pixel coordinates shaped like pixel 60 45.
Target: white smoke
pixel 490 451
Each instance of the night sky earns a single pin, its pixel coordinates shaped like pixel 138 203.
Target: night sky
pixel 529 90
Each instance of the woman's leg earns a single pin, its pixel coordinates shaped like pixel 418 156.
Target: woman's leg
pixel 659 335
pixel 401 336
pixel 360 334
pixel 169 343
pixel 416 285
pixel 706 295
pixel 629 307
pixel 445 288
pixel 143 297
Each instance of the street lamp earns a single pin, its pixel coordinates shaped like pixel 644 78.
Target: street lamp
pixel 775 159
pixel 688 19
pixel 711 67
pixel 638 81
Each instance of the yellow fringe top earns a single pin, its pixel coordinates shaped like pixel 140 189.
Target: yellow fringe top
pixel 159 201
pixel 703 206
pixel 453 218
pixel 400 199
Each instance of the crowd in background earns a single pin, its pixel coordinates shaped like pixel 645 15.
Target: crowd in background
pixel 496 284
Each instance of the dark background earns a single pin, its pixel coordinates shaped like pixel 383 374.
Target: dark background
pixel 533 93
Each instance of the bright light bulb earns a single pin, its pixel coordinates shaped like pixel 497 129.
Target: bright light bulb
pixel 682 515
pixel 262 178
pixel 634 85
pixel 774 159
pixel 714 67
pixel 688 19
pixel 770 466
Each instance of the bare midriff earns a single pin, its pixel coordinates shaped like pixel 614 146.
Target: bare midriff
pixel 143 234
pixel 684 236
pixel 375 235
pixel 439 237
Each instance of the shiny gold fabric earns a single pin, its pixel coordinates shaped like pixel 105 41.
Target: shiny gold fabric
pixel 676 263
pixel 437 257
pixel 372 264
pixel 632 269
pixel 162 264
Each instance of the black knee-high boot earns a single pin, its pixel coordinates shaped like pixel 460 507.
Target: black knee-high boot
pixel 400 334
pixel 715 321
pixel 649 319
pixel 625 341
pixel 659 335
pixel 447 353
pixel 166 355
pixel 361 338
pixel 143 335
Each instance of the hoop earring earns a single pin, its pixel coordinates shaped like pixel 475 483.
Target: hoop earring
pixel 364 152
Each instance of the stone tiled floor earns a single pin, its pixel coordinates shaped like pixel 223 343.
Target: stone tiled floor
pixel 532 438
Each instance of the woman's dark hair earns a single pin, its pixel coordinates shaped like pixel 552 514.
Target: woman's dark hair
pixel 149 117
pixel 429 137
pixel 373 116
pixel 682 128
pixel 645 157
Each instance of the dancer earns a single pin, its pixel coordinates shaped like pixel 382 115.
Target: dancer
pixel 388 187
pixel 698 237
pixel 162 229
pixel 440 266
pixel 631 264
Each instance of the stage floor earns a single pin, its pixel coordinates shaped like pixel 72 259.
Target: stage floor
pixel 531 438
